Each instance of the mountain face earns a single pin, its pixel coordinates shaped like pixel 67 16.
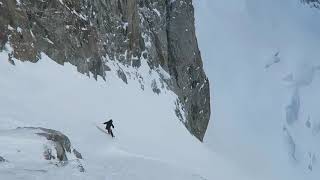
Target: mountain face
pixel 59 109
pixel 313 3
pixel 266 90
pixel 87 34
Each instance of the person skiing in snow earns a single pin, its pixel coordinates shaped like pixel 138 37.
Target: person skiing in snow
pixel 108 127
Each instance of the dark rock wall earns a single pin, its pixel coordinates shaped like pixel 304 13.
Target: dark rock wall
pixel 87 32
pixel 312 3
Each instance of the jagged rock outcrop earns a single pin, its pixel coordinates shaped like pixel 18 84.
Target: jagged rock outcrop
pixel 88 33
pixel 300 120
pixel 313 3
pixel 2 159
pixel 41 146
pixel 61 142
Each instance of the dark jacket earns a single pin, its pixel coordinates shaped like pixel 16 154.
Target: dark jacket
pixel 109 124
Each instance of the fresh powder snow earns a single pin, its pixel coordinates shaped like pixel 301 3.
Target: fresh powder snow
pixel 150 142
pixel 262 59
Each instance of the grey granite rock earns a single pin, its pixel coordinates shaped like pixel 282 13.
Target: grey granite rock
pixel 2 159
pixel 312 3
pixel 84 33
pixel 62 146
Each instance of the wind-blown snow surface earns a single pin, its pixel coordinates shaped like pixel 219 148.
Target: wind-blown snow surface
pixel 150 143
pixel 262 58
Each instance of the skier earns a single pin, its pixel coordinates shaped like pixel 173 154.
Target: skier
pixel 108 127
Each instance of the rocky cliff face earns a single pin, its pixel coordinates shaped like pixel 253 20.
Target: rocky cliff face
pixel 89 33
pixel 312 3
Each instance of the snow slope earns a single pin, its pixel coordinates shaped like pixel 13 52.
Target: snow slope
pixel 150 143
pixel 262 58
